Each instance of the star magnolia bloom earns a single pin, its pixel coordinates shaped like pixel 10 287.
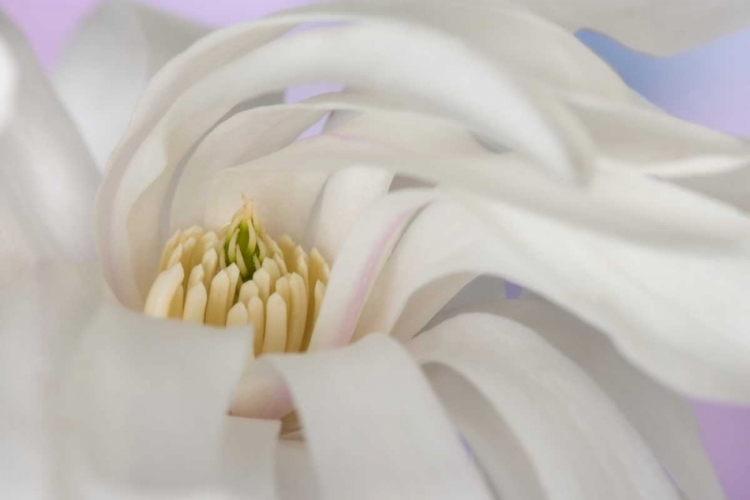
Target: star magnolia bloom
pixel 471 145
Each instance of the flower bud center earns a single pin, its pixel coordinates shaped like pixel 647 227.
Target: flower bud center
pixel 240 275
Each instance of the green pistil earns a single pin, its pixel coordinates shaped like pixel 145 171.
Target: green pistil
pixel 250 256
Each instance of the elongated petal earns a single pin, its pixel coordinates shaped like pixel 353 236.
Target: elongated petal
pixel 8 84
pixel 244 137
pixel 296 477
pixel 149 398
pixel 362 442
pixel 708 357
pixel 440 152
pixel 657 26
pixel 43 314
pixel 48 179
pixel 311 56
pixel 359 263
pixel 346 195
pixel 249 458
pixel 663 418
pixel 108 63
pixel 574 435
pixel 637 136
pixel 284 199
pixel 731 187
pixel 626 129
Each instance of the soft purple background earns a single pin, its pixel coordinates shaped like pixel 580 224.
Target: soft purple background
pixel 710 85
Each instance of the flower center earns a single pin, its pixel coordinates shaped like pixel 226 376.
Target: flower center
pixel 241 276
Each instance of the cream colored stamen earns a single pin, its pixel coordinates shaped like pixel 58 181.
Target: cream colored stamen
pixel 238 276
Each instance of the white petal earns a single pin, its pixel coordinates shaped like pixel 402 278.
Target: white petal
pixel 148 398
pixel 627 130
pixel 434 244
pixel 663 418
pixel 731 187
pixel 657 26
pixel 249 455
pixel 441 152
pixel 296 477
pixel 8 84
pixel 576 439
pixel 536 50
pixel 475 92
pixel 108 63
pixel 347 193
pixel 358 264
pixel 246 136
pixel 362 443
pixel 284 199
pixel 48 179
pixel 43 315
pixel 639 136
pixel 646 297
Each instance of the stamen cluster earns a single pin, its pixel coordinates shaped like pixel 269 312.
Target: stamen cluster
pixel 239 276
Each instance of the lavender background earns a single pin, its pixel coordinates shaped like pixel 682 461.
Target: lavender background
pixel 710 85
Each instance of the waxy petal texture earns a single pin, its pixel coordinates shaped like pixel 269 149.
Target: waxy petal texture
pixel 575 438
pixel 109 61
pixel 47 178
pixel 377 432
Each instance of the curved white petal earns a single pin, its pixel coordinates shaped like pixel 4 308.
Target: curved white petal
pixel 8 84
pixel 475 92
pixel 148 398
pixel 373 427
pixel 576 439
pixel 625 128
pixel 99 402
pixel 47 179
pixel 647 298
pixel 359 262
pixel 626 204
pixel 249 457
pixel 663 418
pixel 657 26
pixel 295 475
pixel 108 62
pixel 643 138
pixel 244 137
pixel 43 314
pixel 732 187
pixel 347 194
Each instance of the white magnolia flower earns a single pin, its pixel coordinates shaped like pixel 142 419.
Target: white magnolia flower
pixel 472 143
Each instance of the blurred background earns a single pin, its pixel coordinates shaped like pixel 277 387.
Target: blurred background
pixel 709 85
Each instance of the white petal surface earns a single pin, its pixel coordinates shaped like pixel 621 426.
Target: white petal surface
pixel 646 297
pixel 8 84
pixel 358 264
pixel 731 187
pixel 443 153
pixel 576 439
pixel 373 427
pixel 663 418
pixel 639 136
pixel 296 477
pixel 149 398
pixel 42 317
pixel 626 129
pixel 312 56
pixel 47 179
pixel 657 26
pixel 249 458
pixel 346 195
pixel 244 137
pixel 108 62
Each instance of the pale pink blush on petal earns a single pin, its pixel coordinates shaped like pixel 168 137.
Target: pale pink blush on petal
pixel 367 277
